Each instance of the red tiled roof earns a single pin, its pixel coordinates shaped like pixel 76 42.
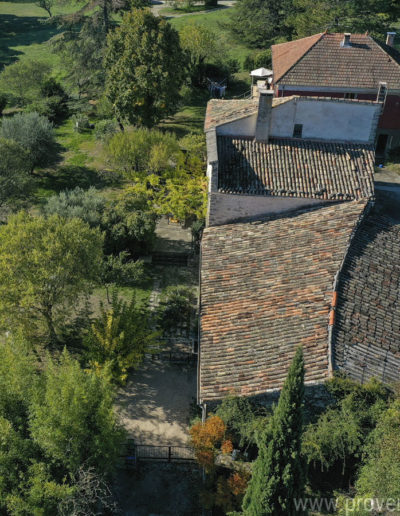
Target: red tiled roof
pixel 295 168
pixel 285 55
pixel 266 288
pixel 325 63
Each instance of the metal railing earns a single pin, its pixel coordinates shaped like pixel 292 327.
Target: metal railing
pixel 163 453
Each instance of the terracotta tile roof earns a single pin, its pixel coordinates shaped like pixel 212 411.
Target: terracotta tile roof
pixel 224 111
pixel 285 55
pixel 326 63
pixel 266 288
pixel 367 329
pixel 295 167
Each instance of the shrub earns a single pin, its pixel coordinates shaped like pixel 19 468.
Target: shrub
pixel 205 438
pixel 142 150
pixel 86 205
pixel 81 123
pixel 256 60
pixel 34 133
pixel 105 129
pixel 119 338
pixel 176 306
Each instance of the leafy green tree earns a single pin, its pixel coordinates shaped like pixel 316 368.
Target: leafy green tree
pixel 14 172
pixel 34 133
pixel 82 48
pixel 180 191
pixel 278 473
pixel 23 79
pixel 129 225
pixel 72 417
pixel 46 265
pixel 333 445
pixel 21 472
pixel 184 194
pixel 201 44
pixel 120 337
pixel 380 474
pixel 377 17
pixel 127 222
pixel 259 22
pixel 52 102
pixel 47 5
pixel 53 414
pixel 243 418
pixel 145 68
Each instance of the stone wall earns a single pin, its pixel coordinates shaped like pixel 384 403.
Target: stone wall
pixel 225 208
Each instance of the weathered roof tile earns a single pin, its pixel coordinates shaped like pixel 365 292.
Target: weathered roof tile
pixel 295 168
pixel 266 288
pixel 320 60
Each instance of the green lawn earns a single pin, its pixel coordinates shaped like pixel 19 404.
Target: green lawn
pixel 24 33
pixel 78 162
pixel 182 10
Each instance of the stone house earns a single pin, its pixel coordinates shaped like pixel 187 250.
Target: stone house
pixel 353 66
pixel 293 253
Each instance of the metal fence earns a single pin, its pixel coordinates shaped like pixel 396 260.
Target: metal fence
pixel 143 452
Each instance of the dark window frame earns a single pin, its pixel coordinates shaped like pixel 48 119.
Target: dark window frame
pixel 298 131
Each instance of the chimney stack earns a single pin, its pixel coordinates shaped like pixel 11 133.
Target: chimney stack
pixel 390 38
pixel 346 40
pixel 264 114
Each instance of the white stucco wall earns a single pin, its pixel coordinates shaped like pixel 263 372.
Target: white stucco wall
pixel 325 120
pixel 225 208
pixel 243 127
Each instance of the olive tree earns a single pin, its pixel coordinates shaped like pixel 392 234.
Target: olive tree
pixel 34 133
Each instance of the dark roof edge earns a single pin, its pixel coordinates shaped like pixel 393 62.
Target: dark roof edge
pixel 332 316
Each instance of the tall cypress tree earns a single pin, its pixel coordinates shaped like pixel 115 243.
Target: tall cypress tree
pixel 278 474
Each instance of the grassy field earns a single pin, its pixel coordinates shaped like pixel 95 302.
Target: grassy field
pixel 25 34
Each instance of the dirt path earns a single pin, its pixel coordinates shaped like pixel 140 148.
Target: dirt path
pixel 154 405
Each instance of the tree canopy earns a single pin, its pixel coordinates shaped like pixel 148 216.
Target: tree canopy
pixel 310 17
pixel 201 44
pixel 23 79
pixel 34 133
pixel 46 265
pixel 14 172
pixel 58 433
pixel 145 68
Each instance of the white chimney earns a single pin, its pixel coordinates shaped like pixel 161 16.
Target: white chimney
pixel 346 40
pixel 264 114
pixel 390 38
